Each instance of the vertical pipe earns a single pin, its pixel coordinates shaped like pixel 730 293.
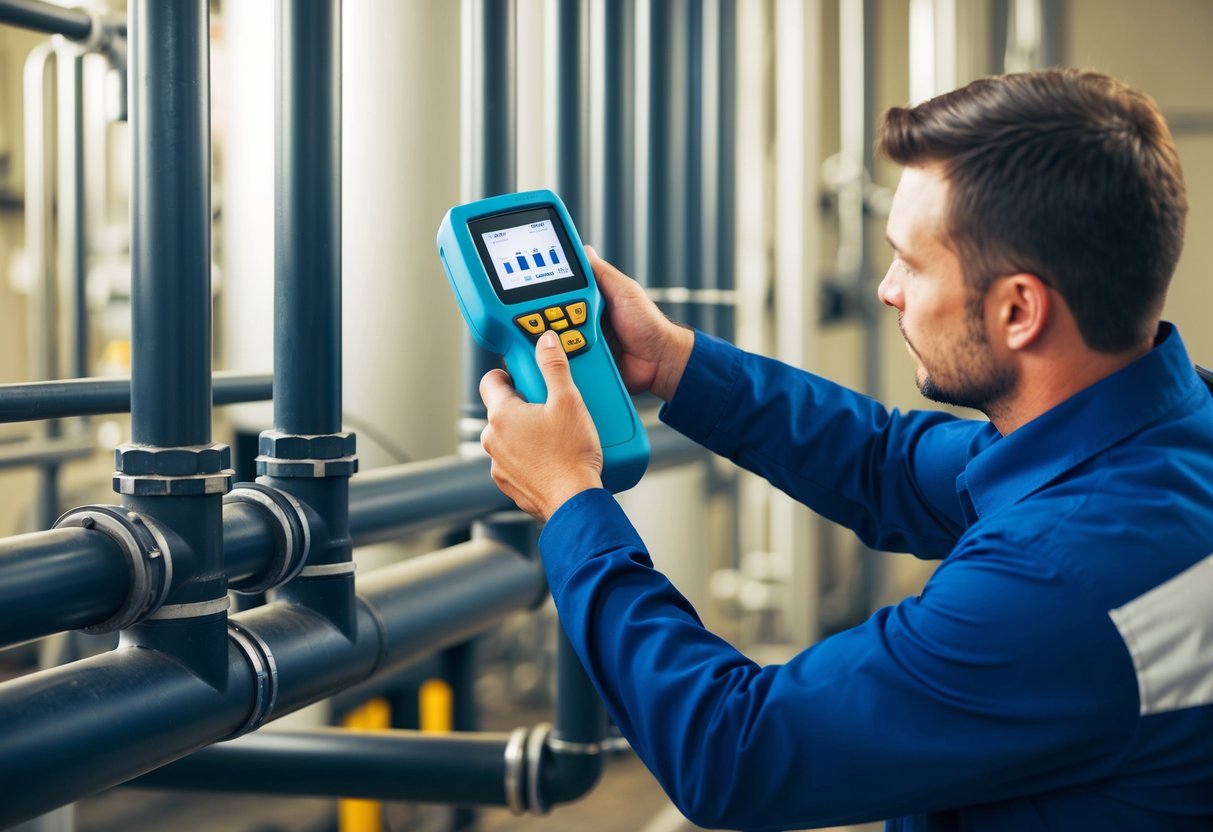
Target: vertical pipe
pixel 307 454
pixel 689 215
pixel 171 331
pixel 726 162
pixel 566 104
pixel 653 37
pixel 40 249
pixel 307 232
pixel 73 241
pixel 612 102
pixel 170 223
pixel 489 151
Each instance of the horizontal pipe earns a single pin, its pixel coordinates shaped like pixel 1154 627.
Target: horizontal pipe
pixel 387 503
pixel 46 17
pixel 90 725
pixel 43 450
pixel 94 396
pixel 462 768
pixel 60 579
pixel 36 600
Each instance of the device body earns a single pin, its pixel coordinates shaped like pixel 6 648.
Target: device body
pixel 518 268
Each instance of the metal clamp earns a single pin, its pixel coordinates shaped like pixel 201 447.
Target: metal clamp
pixel 147 555
pixel 536 744
pixel 265 673
pixel 515 774
pixel 292 535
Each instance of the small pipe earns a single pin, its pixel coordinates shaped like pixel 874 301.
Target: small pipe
pixel 47 17
pixel 384 765
pixel 95 396
pixel 489 127
pixel 45 450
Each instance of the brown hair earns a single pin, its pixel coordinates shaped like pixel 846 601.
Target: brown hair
pixel 1066 174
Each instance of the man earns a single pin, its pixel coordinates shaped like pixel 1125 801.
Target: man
pixel 1056 672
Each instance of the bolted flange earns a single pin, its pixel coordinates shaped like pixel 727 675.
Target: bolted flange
pixel 307 455
pixel 149 470
pixel 148 558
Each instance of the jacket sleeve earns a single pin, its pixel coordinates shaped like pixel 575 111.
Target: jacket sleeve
pixel 888 476
pixel 996 682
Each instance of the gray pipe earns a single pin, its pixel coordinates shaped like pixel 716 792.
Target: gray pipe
pixel 70 732
pixel 490 135
pixel 47 17
pixel 93 396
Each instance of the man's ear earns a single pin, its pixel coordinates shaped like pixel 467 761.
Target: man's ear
pixel 1022 304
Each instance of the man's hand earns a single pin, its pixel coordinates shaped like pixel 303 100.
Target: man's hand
pixel 543 454
pixel 650 350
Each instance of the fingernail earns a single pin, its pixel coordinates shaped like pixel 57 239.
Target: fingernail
pixel 548 339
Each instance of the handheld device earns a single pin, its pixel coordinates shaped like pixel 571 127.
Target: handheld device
pixel 518 269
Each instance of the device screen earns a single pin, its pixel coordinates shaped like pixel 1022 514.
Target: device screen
pixel 526 254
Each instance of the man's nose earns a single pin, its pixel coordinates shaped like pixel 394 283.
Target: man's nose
pixel 889 290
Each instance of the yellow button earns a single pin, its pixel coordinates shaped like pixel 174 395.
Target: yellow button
pixel 532 323
pixel 559 325
pixel 577 312
pixel 553 313
pixel 572 340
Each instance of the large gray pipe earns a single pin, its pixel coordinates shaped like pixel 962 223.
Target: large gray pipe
pixel 70 732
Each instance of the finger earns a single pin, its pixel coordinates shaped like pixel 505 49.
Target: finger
pixel 496 388
pixel 554 365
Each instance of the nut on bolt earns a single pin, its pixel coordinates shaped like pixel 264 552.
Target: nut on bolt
pixel 184 461
pixel 301 446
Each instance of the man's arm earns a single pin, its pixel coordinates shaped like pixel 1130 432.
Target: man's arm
pixel 1003 679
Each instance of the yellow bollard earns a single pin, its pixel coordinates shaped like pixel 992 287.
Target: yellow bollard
pixel 364 815
pixel 436 706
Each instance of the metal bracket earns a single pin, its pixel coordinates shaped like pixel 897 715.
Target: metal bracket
pixel 147 554
pixel 292 535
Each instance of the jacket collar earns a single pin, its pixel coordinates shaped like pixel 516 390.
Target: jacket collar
pixel 1086 424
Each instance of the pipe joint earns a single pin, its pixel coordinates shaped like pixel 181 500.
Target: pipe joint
pixel 307 455
pixel 265 674
pixel 292 535
pixel 153 471
pixel 542 770
pixel 148 555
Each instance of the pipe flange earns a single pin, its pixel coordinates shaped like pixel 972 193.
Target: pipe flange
pixel 265 675
pixel 187 470
pixel 515 773
pixel 536 745
pixel 158 486
pixel 270 466
pixel 292 535
pixel 147 554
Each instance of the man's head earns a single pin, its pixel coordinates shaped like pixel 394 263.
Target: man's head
pixel 1067 175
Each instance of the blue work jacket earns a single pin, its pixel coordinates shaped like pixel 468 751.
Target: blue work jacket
pixel 1055 673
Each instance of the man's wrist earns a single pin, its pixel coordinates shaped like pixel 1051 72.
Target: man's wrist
pixel 673 361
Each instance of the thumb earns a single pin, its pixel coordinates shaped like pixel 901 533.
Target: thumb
pixel 554 365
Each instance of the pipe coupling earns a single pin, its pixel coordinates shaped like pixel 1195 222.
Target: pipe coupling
pixel 152 471
pixel 292 535
pixel 307 455
pixel 528 754
pixel 148 556
pixel 265 675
